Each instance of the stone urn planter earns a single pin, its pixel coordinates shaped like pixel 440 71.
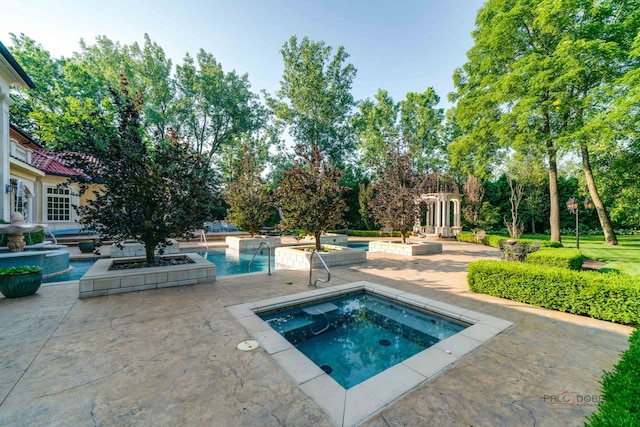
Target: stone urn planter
pixel 16 282
pixel 86 247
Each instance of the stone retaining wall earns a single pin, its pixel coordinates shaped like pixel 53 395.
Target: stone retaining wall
pixel 421 248
pixel 251 243
pixel 290 257
pixel 100 281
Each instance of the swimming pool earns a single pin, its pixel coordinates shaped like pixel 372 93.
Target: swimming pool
pixel 355 337
pixel 227 262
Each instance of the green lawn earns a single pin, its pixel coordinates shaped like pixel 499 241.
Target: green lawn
pixel 624 258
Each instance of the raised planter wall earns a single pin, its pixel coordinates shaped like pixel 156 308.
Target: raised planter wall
pixel 100 281
pixel 290 257
pixel 132 249
pixel 251 243
pixel 422 248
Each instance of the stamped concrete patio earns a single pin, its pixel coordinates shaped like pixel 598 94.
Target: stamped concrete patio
pixel 168 357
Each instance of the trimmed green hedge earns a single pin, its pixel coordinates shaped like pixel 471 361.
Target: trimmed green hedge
pixel 621 391
pixel 612 297
pixel 494 240
pixel 365 233
pixel 552 257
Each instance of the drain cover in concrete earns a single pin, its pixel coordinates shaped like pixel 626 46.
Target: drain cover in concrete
pixel 248 345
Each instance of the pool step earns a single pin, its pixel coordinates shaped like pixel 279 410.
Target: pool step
pixel 318 309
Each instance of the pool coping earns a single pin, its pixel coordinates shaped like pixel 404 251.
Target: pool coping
pixel 346 407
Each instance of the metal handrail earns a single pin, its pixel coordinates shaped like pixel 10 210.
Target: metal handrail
pixel 314 284
pixel 203 237
pixel 254 257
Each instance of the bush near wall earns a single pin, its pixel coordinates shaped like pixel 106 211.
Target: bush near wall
pixel 552 257
pixel 29 238
pixel 620 391
pixel 612 297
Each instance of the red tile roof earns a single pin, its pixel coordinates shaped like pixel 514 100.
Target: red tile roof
pixel 51 163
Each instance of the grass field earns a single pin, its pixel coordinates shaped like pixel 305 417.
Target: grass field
pixel 624 258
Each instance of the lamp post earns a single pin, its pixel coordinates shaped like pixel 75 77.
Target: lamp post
pixel 574 208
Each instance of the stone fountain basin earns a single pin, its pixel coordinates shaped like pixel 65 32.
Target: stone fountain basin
pixel 53 262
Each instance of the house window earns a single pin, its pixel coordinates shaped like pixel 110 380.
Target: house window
pixel 58 204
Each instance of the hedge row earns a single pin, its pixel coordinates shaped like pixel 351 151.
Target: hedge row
pixel 365 233
pixel 494 240
pixel 620 405
pixel 612 297
pixel 552 257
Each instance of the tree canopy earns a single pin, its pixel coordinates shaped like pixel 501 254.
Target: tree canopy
pixel 314 100
pixel 148 192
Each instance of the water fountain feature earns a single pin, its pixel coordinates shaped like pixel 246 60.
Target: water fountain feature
pixel 53 258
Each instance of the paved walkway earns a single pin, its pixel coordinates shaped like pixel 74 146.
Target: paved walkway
pixel 168 357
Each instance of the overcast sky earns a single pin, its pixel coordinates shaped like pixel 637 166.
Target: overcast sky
pixel 401 46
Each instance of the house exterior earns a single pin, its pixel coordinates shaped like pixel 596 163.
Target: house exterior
pixel 34 178
pixel 30 174
pixel 11 74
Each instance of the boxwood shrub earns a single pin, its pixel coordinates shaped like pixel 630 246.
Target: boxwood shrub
pixel 552 257
pixel 494 240
pixel 613 297
pixel 620 405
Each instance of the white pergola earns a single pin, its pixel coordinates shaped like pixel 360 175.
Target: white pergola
pixel 439 208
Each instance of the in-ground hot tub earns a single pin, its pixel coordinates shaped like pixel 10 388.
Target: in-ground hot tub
pixel 348 406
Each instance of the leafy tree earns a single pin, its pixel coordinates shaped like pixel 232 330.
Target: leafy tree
pixel 476 211
pixel 149 192
pixel 421 126
pixel 310 194
pixel 214 108
pixel 249 199
pixel 531 77
pixel 364 199
pixel 377 125
pixel 314 99
pixel 412 124
pixel 47 75
pixel 396 192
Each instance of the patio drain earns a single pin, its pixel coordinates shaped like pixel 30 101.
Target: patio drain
pixel 248 345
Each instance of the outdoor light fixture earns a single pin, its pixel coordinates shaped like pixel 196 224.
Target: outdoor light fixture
pixel 574 208
pixel 8 188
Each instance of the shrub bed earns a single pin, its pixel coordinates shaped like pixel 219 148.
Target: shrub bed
pixel 612 297
pixel 552 257
pixel 620 390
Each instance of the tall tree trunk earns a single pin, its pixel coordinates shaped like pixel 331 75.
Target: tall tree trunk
pixel 554 211
pixel 603 216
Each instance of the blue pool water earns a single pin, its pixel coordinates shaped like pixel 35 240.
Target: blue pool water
pixel 359 245
pixel 227 262
pixel 356 337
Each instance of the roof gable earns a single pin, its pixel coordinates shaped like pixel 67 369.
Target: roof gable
pixel 17 75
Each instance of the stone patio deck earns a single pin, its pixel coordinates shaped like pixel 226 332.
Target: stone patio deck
pixel 168 357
